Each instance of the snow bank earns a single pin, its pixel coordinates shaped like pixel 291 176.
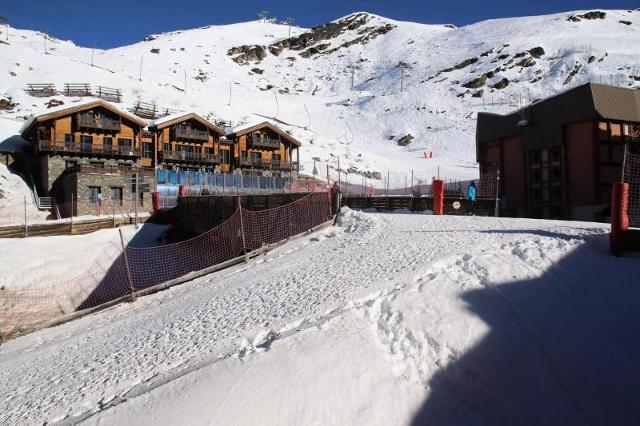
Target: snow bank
pixel 30 263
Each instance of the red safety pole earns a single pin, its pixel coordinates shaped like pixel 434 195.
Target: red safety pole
pixel 619 217
pixel 438 197
pixel 155 198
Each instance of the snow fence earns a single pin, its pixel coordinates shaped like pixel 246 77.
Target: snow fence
pixel 136 269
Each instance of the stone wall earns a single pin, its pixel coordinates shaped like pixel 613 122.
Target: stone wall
pixel 81 182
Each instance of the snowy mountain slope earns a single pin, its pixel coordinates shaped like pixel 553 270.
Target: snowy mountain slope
pixel 249 71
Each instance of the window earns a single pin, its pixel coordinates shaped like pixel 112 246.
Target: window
pixel 141 199
pixel 256 156
pixel 124 165
pixel 86 143
pixel 225 156
pixel 70 163
pixel 116 196
pixel 93 194
pixel 44 133
pixel 167 147
pixel 603 131
pixel 244 155
pixel 107 144
pixel 146 150
pixel 69 139
pixel 208 152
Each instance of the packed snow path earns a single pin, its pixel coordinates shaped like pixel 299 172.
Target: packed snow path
pixel 370 316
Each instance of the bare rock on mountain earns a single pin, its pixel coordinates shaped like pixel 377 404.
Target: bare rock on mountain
pixel 245 54
pixel 476 83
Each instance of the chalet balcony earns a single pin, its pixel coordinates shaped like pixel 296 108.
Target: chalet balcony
pixel 267 164
pixel 225 141
pixel 90 122
pixel 263 142
pixel 193 157
pixel 191 134
pixel 85 168
pixel 88 149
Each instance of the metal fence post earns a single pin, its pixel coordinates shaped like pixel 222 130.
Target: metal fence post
pixel 26 227
pixel 71 216
pixel 497 207
pixel 244 244
pixel 126 267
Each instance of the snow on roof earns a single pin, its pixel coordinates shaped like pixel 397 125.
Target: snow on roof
pixel 75 105
pixel 178 115
pixel 170 117
pixel 257 124
pixel 10 140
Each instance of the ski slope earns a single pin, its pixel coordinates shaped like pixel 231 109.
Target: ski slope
pixel 383 319
pixel 310 91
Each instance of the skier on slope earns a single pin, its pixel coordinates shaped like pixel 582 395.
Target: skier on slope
pixel 471 196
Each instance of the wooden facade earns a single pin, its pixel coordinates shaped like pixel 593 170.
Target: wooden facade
pixel 188 142
pixel 94 145
pixel 264 149
pixel 559 158
pixel 80 153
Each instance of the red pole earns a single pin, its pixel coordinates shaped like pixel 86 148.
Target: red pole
pixel 619 217
pixel 438 197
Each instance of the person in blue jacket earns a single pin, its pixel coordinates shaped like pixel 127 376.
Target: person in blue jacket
pixel 471 196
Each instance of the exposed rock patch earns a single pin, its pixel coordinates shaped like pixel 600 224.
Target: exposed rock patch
pixel 595 14
pixel 405 140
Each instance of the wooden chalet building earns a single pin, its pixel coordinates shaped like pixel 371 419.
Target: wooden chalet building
pixel 187 142
pixel 264 150
pixel 88 152
pixel 558 157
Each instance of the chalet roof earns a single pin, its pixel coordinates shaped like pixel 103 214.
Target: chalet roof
pixel 75 107
pixel 251 127
pixel 541 124
pixel 172 119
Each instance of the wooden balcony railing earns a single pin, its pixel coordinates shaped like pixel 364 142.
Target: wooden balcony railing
pixel 188 133
pixel 90 122
pixel 267 164
pixel 190 156
pixel 86 168
pixel 263 142
pixel 80 148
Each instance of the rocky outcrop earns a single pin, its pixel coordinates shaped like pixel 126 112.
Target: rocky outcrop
pixel 405 140
pixel 501 84
pixel 155 50
pixel 6 104
pixel 314 42
pixel 572 74
pixel 537 52
pixel 461 65
pixel 476 83
pixel 54 103
pixel 595 14
pixel 526 62
pixel 245 54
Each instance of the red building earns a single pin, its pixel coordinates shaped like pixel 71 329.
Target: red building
pixel 558 157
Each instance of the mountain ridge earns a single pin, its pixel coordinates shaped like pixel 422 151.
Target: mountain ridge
pixel 339 86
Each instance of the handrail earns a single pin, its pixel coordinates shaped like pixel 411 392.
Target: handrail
pixel 85 148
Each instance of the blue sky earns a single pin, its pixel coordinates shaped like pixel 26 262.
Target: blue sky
pixel 111 23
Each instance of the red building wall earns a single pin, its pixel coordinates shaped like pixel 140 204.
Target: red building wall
pixel 580 160
pixel 513 173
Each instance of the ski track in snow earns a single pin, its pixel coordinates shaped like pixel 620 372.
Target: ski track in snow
pixel 367 261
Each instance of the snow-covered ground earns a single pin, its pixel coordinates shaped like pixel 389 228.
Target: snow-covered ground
pixel 31 263
pixel 383 319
